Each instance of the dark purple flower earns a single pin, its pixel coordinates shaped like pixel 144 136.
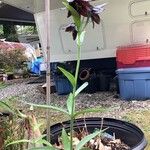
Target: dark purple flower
pixel 84 8
pixel 81 6
pixel 71 28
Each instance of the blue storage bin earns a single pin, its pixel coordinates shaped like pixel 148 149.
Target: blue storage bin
pixel 134 83
pixel 63 86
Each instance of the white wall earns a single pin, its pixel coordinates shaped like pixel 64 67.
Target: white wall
pixel 118 27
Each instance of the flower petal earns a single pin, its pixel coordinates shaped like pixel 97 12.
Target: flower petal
pixel 83 7
pixel 70 28
pixel 95 18
pixel 74 34
pixel 99 8
pixel 69 14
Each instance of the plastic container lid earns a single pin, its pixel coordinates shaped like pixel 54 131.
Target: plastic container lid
pixel 134 70
pixel 132 53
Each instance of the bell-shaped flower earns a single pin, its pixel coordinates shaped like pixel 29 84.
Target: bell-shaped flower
pixel 84 8
pixel 72 28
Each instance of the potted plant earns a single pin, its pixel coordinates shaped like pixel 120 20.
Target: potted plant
pixel 86 133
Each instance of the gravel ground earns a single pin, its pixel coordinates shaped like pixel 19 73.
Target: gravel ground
pixel 34 93
pixel 21 88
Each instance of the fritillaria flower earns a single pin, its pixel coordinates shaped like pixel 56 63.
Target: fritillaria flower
pixel 85 9
pixel 72 28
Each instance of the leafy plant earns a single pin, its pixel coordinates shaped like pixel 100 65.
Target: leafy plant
pixel 82 13
pixel 7 61
pixel 10 126
pixel 79 10
pixel 18 126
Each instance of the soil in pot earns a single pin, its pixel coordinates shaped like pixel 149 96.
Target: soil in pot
pixel 126 134
pixel 102 142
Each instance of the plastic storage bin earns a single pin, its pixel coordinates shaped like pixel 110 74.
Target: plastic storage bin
pixel 133 56
pixel 63 86
pixel 134 83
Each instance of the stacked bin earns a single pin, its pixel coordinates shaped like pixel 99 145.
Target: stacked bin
pixel 133 64
pixel 133 56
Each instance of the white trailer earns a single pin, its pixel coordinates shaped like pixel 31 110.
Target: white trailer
pixel 123 22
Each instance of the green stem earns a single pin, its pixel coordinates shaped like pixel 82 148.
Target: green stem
pixel 85 24
pixel 74 90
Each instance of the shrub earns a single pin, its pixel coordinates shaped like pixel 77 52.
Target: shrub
pixel 12 59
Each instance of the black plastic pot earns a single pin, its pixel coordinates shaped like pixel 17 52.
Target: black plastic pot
pixel 127 132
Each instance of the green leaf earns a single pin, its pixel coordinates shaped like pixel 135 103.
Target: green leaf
pixel 49 107
pixel 41 137
pixel 42 141
pixel 65 140
pixel 88 110
pixel 70 77
pixel 21 114
pixel 20 141
pixel 87 139
pixel 74 13
pixel 7 107
pixel 70 102
pixel 81 88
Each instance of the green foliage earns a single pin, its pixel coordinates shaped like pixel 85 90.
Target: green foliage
pixel 3 85
pixel 38 141
pixel 11 60
pixel 49 107
pixel 80 39
pixel 76 16
pixel 12 126
pixel 67 143
pixel 87 139
pixel 43 148
pixel 70 103
pixel 65 140
pixel 68 75
pixel 10 33
pixel 6 107
pixel 26 29
pixel 20 141
pixel 81 88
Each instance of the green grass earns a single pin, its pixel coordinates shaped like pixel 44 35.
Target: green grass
pixel 11 100
pixel 142 119
pixel 3 85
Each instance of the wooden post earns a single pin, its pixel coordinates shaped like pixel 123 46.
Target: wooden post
pixel 48 80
